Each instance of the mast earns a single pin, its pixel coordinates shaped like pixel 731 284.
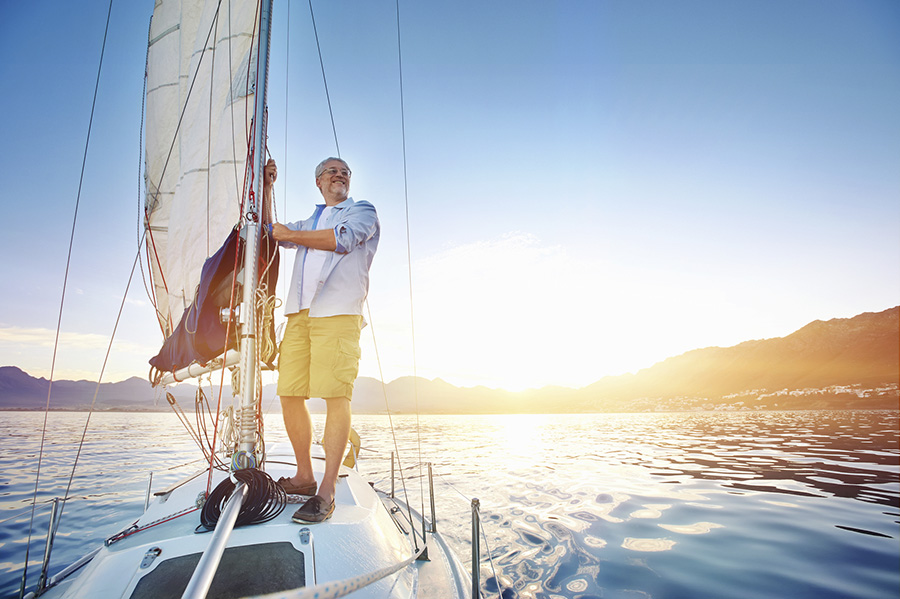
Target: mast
pixel 247 313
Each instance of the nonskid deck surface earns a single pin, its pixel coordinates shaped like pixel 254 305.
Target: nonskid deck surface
pixel 360 537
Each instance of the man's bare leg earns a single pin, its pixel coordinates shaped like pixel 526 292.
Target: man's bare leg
pixel 337 431
pixel 299 427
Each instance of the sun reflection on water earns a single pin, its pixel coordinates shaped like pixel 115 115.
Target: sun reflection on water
pixel 648 545
pixel 522 438
pixel 616 505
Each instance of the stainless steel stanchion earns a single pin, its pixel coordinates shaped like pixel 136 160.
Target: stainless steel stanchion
pixel 476 550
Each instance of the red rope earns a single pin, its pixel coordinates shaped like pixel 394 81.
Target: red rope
pixel 248 174
pixel 128 533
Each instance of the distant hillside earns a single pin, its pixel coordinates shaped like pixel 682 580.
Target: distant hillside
pixel 844 362
pixel 19 391
pixel 837 364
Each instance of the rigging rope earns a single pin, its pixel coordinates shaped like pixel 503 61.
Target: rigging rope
pixel 412 320
pixel 209 124
pixel 341 588
pixel 209 446
pixel 184 107
pixel 387 408
pixel 262 487
pixel 62 300
pixel 286 133
pixel 155 186
pixel 248 182
pixel 324 80
pixel 409 261
pixel 141 231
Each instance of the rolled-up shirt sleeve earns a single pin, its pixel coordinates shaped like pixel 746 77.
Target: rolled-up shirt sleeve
pixel 358 224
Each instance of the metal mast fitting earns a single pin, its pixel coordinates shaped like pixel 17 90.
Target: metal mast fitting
pixel 251 247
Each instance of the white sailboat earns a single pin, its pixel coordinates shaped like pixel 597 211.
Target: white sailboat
pixel 224 532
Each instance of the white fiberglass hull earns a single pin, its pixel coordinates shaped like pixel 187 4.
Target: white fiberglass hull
pixel 368 532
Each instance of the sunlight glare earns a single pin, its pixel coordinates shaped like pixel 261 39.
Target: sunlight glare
pixel 522 438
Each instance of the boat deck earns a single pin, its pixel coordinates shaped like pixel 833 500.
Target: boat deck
pixel 368 532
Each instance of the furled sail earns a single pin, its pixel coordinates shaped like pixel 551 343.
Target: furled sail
pixel 200 74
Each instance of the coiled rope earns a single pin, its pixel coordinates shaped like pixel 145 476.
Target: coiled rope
pixel 265 499
pixel 266 305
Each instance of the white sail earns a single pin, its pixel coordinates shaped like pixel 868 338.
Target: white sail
pixel 199 63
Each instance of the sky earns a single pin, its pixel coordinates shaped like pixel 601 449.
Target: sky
pixel 587 188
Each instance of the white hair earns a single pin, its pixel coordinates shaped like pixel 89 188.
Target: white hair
pixel 321 166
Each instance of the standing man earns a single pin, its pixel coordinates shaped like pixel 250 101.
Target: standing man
pixel 320 349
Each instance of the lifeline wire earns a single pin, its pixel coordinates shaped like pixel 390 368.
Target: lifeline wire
pixel 490 555
pixel 62 300
pixel 483 534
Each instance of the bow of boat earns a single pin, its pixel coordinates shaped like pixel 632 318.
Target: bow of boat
pixel 369 533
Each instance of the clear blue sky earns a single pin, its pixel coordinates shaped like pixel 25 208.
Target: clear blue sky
pixel 593 186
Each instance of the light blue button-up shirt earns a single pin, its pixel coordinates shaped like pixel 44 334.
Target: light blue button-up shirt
pixel 344 280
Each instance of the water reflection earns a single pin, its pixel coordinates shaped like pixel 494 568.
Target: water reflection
pixel 643 500
pixel 817 454
pixel 614 505
pixel 647 544
pixel 698 528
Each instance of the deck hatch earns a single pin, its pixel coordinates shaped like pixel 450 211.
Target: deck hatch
pixel 246 570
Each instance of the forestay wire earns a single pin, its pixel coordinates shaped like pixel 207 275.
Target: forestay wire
pixel 62 300
pixel 134 268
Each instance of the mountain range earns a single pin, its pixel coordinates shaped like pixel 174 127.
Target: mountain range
pixel 843 363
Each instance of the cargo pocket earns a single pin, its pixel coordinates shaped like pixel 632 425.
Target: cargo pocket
pixel 347 361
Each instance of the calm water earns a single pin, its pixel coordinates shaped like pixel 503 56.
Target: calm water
pixel 688 505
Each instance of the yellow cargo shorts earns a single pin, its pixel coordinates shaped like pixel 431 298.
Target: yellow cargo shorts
pixel 319 357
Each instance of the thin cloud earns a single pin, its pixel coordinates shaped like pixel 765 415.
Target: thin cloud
pixel 19 337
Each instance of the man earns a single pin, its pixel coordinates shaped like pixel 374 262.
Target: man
pixel 320 349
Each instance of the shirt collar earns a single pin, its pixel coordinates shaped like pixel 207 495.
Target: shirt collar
pixel 345 204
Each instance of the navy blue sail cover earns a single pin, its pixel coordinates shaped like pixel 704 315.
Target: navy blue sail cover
pixel 200 336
